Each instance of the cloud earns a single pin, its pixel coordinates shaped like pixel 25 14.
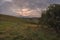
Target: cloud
pixel 3 1
pixel 7 0
pixel 32 3
pixel 31 8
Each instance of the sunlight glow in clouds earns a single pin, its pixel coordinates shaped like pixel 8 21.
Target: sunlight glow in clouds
pixel 27 12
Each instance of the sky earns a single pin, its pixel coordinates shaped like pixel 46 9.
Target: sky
pixel 26 8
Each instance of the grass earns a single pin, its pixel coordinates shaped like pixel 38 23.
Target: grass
pixel 13 28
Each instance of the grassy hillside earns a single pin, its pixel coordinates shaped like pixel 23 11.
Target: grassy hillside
pixel 13 28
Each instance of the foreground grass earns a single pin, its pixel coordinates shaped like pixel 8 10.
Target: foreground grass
pixel 12 28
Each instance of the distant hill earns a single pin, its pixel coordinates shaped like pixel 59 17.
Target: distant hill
pixel 22 19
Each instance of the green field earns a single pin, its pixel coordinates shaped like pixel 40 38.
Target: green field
pixel 13 28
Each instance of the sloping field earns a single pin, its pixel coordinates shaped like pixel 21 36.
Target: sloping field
pixel 13 28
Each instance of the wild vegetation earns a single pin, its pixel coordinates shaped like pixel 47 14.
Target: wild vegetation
pixel 52 17
pixel 45 28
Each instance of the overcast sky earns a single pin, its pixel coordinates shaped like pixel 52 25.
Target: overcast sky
pixel 30 8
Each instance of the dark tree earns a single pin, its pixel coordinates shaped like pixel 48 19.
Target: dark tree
pixel 52 17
